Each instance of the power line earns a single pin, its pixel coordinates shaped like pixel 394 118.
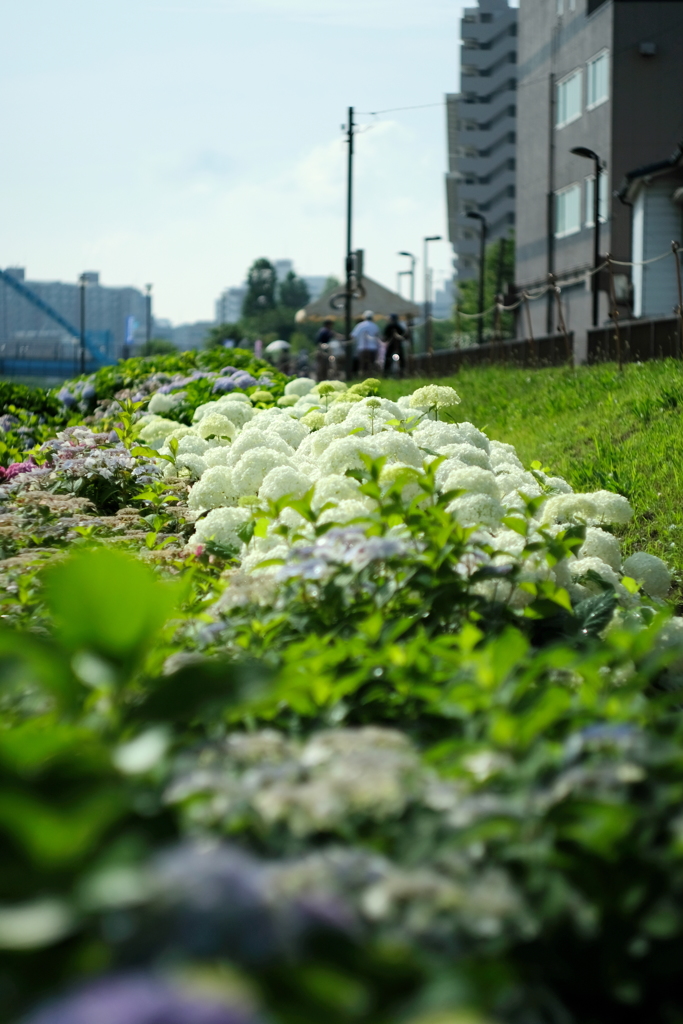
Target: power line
pixel 393 110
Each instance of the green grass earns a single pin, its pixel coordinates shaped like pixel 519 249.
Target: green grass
pixel 598 428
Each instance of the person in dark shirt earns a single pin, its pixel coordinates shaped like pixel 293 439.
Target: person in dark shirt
pixel 326 333
pixel 322 341
pixel 394 336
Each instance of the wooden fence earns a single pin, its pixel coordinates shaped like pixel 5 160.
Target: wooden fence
pixel 640 341
pixel 546 351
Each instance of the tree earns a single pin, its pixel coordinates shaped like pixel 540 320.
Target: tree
pixel 293 292
pixel 496 274
pixel 223 332
pixel 261 285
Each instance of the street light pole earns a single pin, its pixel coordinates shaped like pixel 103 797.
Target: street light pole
pixel 81 282
pixel 349 255
pixel 413 261
pixel 589 154
pixel 482 271
pixel 148 319
pixel 427 294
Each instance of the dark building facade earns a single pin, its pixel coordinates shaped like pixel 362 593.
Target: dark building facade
pixel 481 132
pixel 606 75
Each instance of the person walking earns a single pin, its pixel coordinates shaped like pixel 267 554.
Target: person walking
pixel 366 337
pixel 394 336
pixel 323 340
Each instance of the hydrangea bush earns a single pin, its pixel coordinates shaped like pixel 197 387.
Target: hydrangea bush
pixel 317 705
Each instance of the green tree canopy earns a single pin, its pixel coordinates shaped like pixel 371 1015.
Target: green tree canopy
pixel 223 332
pixel 261 288
pixel 293 292
pixel 499 272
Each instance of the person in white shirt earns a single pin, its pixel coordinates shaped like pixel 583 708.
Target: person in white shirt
pixel 366 336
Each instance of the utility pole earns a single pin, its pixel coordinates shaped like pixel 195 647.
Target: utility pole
pixel 482 270
pixel 82 348
pixel 349 255
pixel 148 319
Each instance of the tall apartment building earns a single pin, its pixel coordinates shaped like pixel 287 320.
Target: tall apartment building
pixel 481 132
pixel 229 305
pixel 25 330
pixel 606 75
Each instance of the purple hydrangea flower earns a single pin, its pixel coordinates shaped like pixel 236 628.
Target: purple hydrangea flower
pixel 89 392
pixel 222 384
pixel 66 398
pixel 7 422
pixel 137 999
pixel 226 370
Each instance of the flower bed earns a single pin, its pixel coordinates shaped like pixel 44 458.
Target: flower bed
pixel 319 704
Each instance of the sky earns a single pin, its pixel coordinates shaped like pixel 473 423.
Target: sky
pixel 174 142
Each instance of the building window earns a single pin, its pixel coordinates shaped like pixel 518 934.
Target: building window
pixel 590 200
pixel 568 211
pixel 598 80
pixel 569 99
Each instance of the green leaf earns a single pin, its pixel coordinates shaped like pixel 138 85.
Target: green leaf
pixel 107 602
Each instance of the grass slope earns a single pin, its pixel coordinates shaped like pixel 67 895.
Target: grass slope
pixel 598 428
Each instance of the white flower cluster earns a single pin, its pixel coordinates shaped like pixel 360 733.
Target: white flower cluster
pixel 244 460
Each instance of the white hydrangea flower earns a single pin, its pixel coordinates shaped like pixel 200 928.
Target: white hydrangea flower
pixel 612 508
pixel 398 447
pixel 204 410
pixel 337 412
pixel 437 435
pixel 518 482
pixel 434 396
pixel 599 544
pixel 160 404
pixel 651 572
pixel 344 454
pixel 215 489
pixel 477 510
pixel 216 425
pixel 313 446
pixel 253 438
pixel 558 486
pixel 507 542
pixel 501 453
pixel 289 430
pixel 467 454
pixel 238 413
pixel 219 456
pixel 334 488
pixel 393 470
pixel 345 511
pixel 329 387
pixel 580 568
pixel 300 386
pixel 252 562
pixel 569 508
pixel 221 526
pixel 156 430
pixel 253 467
pixel 194 464
pixel 474 479
pixel 281 481
pixel 671 636
pixel 192 444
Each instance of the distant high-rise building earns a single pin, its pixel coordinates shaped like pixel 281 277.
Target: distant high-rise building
pixel 107 309
pixel 481 132
pixel 229 305
pixel 282 268
pixel 316 286
pixel 442 303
